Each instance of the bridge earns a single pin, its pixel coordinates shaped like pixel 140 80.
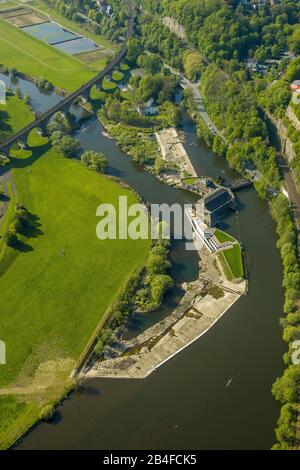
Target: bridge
pixel 64 106
pixel 240 184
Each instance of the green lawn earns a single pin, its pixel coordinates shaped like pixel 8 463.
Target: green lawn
pixel 36 58
pixel 190 180
pixel 232 262
pixel 223 237
pixel 14 115
pixel 108 85
pixel 124 67
pixel 117 76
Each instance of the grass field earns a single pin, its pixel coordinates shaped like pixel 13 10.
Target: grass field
pixel 117 76
pixel 232 262
pixel 223 237
pixel 57 286
pixel 36 58
pixel 13 116
pixel 108 85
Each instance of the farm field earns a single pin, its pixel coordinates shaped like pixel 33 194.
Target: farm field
pixel 35 58
pixel 55 16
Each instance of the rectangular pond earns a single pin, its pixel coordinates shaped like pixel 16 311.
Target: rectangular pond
pixel 77 46
pixel 52 33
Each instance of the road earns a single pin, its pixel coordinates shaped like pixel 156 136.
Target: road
pixel 195 89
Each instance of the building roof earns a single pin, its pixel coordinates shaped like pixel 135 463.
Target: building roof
pixel 296 82
pixel 216 199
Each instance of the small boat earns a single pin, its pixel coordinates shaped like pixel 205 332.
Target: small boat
pixel 228 383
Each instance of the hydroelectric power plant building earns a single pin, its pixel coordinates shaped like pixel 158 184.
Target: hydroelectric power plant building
pixel 216 204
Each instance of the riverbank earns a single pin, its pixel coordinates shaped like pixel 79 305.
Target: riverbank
pixel 205 301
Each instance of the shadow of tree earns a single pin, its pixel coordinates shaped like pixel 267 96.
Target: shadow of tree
pixel 5 128
pixel 4 197
pixel 23 247
pixel 31 228
pixel 15 162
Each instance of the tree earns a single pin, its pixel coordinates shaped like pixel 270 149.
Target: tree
pixel 159 286
pixel 170 115
pixel 47 413
pixel 152 63
pixel 193 64
pixel 285 388
pixel 134 49
pixel 294 40
pixel 65 144
pixel 94 161
pixel 11 238
pixel 157 264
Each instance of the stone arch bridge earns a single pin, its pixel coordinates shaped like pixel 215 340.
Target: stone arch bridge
pixel 64 105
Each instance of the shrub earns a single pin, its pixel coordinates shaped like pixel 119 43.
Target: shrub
pixel 47 413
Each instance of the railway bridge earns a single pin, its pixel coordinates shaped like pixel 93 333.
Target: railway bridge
pixel 64 105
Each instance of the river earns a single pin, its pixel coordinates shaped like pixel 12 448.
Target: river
pixel 186 403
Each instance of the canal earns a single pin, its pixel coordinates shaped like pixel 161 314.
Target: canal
pixel 186 403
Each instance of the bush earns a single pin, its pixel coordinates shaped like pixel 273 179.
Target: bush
pixel 285 389
pixel 286 430
pixel 159 286
pixel 65 144
pixel 94 161
pixel 47 413
pixel 157 264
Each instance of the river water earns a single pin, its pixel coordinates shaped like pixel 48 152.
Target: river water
pixel 186 403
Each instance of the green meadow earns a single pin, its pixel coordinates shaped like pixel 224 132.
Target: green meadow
pixel 58 282
pixel 14 115
pixel 232 262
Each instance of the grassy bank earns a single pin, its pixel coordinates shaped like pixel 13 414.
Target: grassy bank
pixel 14 115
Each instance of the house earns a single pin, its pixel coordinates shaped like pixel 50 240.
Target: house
pixel 258 3
pixel 104 7
pixel 295 85
pixel 148 109
pixel 252 65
